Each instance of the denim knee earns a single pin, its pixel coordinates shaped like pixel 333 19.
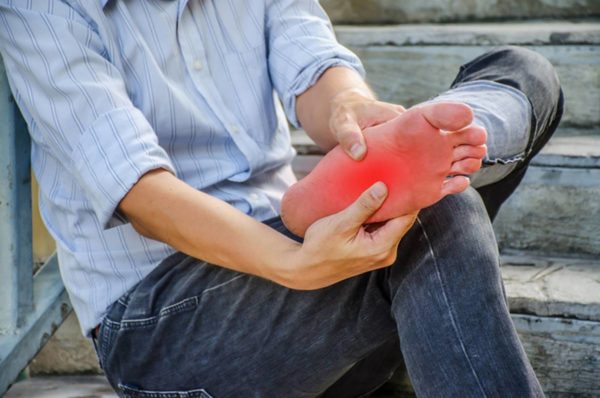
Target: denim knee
pixel 532 74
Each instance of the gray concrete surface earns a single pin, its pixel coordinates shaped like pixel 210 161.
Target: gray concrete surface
pixel 397 11
pixel 62 387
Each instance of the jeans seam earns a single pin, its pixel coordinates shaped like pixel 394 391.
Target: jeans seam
pixel 447 301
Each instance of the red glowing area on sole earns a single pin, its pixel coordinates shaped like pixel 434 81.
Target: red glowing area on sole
pixel 410 154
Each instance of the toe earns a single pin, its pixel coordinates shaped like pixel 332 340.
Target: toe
pixel 455 185
pixel 450 116
pixel 472 135
pixel 469 151
pixel 465 166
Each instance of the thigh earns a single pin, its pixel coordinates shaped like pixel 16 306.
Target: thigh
pixel 190 325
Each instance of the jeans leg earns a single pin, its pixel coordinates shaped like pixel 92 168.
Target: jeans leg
pixel 455 330
pixel 191 326
pixel 533 75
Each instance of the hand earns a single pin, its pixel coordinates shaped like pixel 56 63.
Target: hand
pixel 353 111
pixel 341 246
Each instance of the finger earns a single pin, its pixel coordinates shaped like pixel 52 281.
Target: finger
pixel 469 151
pixel 349 135
pixel 395 229
pixel 376 113
pixel 455 185
pixel 465 166
pixel 355 215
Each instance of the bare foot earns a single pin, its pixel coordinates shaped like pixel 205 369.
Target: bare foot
pixel 413 154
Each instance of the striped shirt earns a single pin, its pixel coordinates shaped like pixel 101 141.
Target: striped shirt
pixel 111 89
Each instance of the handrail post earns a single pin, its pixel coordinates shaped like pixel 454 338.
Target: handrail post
pixel 16 258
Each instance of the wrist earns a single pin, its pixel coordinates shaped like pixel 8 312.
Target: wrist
pixel 281 265
pixel 353 94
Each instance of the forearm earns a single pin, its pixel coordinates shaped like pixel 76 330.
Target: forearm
pixel 315 106
pixel 164 208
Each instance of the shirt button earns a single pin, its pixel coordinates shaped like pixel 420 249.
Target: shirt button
pixel 234 129
pixel 198 65
pixel 253 197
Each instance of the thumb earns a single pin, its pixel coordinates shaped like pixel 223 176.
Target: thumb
pixel 350 137
pixel 355 215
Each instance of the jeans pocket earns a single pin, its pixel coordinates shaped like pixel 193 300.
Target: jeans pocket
pixel 128 391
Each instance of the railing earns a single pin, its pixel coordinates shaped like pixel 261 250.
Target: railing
pixel 31 306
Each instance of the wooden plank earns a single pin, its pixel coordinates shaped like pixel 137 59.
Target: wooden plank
pixel 15 214
pixel 409 75
pixel 51 307
pixel 394 11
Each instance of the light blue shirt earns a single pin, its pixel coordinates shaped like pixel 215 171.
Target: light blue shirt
pixel 113 89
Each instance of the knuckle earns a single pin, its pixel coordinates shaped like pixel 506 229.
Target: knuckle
pixel 365 203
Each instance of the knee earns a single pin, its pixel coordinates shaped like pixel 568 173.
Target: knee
pixel 462 216
pixel 530 63
pixel 518 67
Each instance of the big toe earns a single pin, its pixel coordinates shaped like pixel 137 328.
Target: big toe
pixel 448 116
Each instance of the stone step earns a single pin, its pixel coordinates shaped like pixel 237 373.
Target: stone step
pixel 408 64
pixel 555 210
pixel 552 286
pixel 394 11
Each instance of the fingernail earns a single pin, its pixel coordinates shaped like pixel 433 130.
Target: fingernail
pixel 378 190
pixel 357 150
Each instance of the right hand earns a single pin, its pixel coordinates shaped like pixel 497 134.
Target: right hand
pixel 339 246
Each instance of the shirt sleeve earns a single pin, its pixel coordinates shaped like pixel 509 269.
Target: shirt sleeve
pixel 301 46
pixel 76 103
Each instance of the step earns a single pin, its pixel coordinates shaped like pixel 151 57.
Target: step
pixel 555 210
pixel 557 287
pixel 408 64
pixel 394 11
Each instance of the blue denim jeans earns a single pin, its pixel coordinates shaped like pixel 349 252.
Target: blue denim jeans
pixel 192 329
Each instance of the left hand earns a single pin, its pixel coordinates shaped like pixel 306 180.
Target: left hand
pixel 354 110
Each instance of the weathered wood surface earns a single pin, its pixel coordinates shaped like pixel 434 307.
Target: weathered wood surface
pixel 395 11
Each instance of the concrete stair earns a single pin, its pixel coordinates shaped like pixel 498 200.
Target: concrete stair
pixel 549 230
pixel 395 11
pixel 408 64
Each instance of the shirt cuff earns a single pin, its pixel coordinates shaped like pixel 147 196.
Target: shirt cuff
pixel 112 155
pixel 309 76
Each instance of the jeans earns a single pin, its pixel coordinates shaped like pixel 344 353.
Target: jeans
pixel 192 329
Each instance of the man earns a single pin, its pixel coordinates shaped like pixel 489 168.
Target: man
pixel 159 146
